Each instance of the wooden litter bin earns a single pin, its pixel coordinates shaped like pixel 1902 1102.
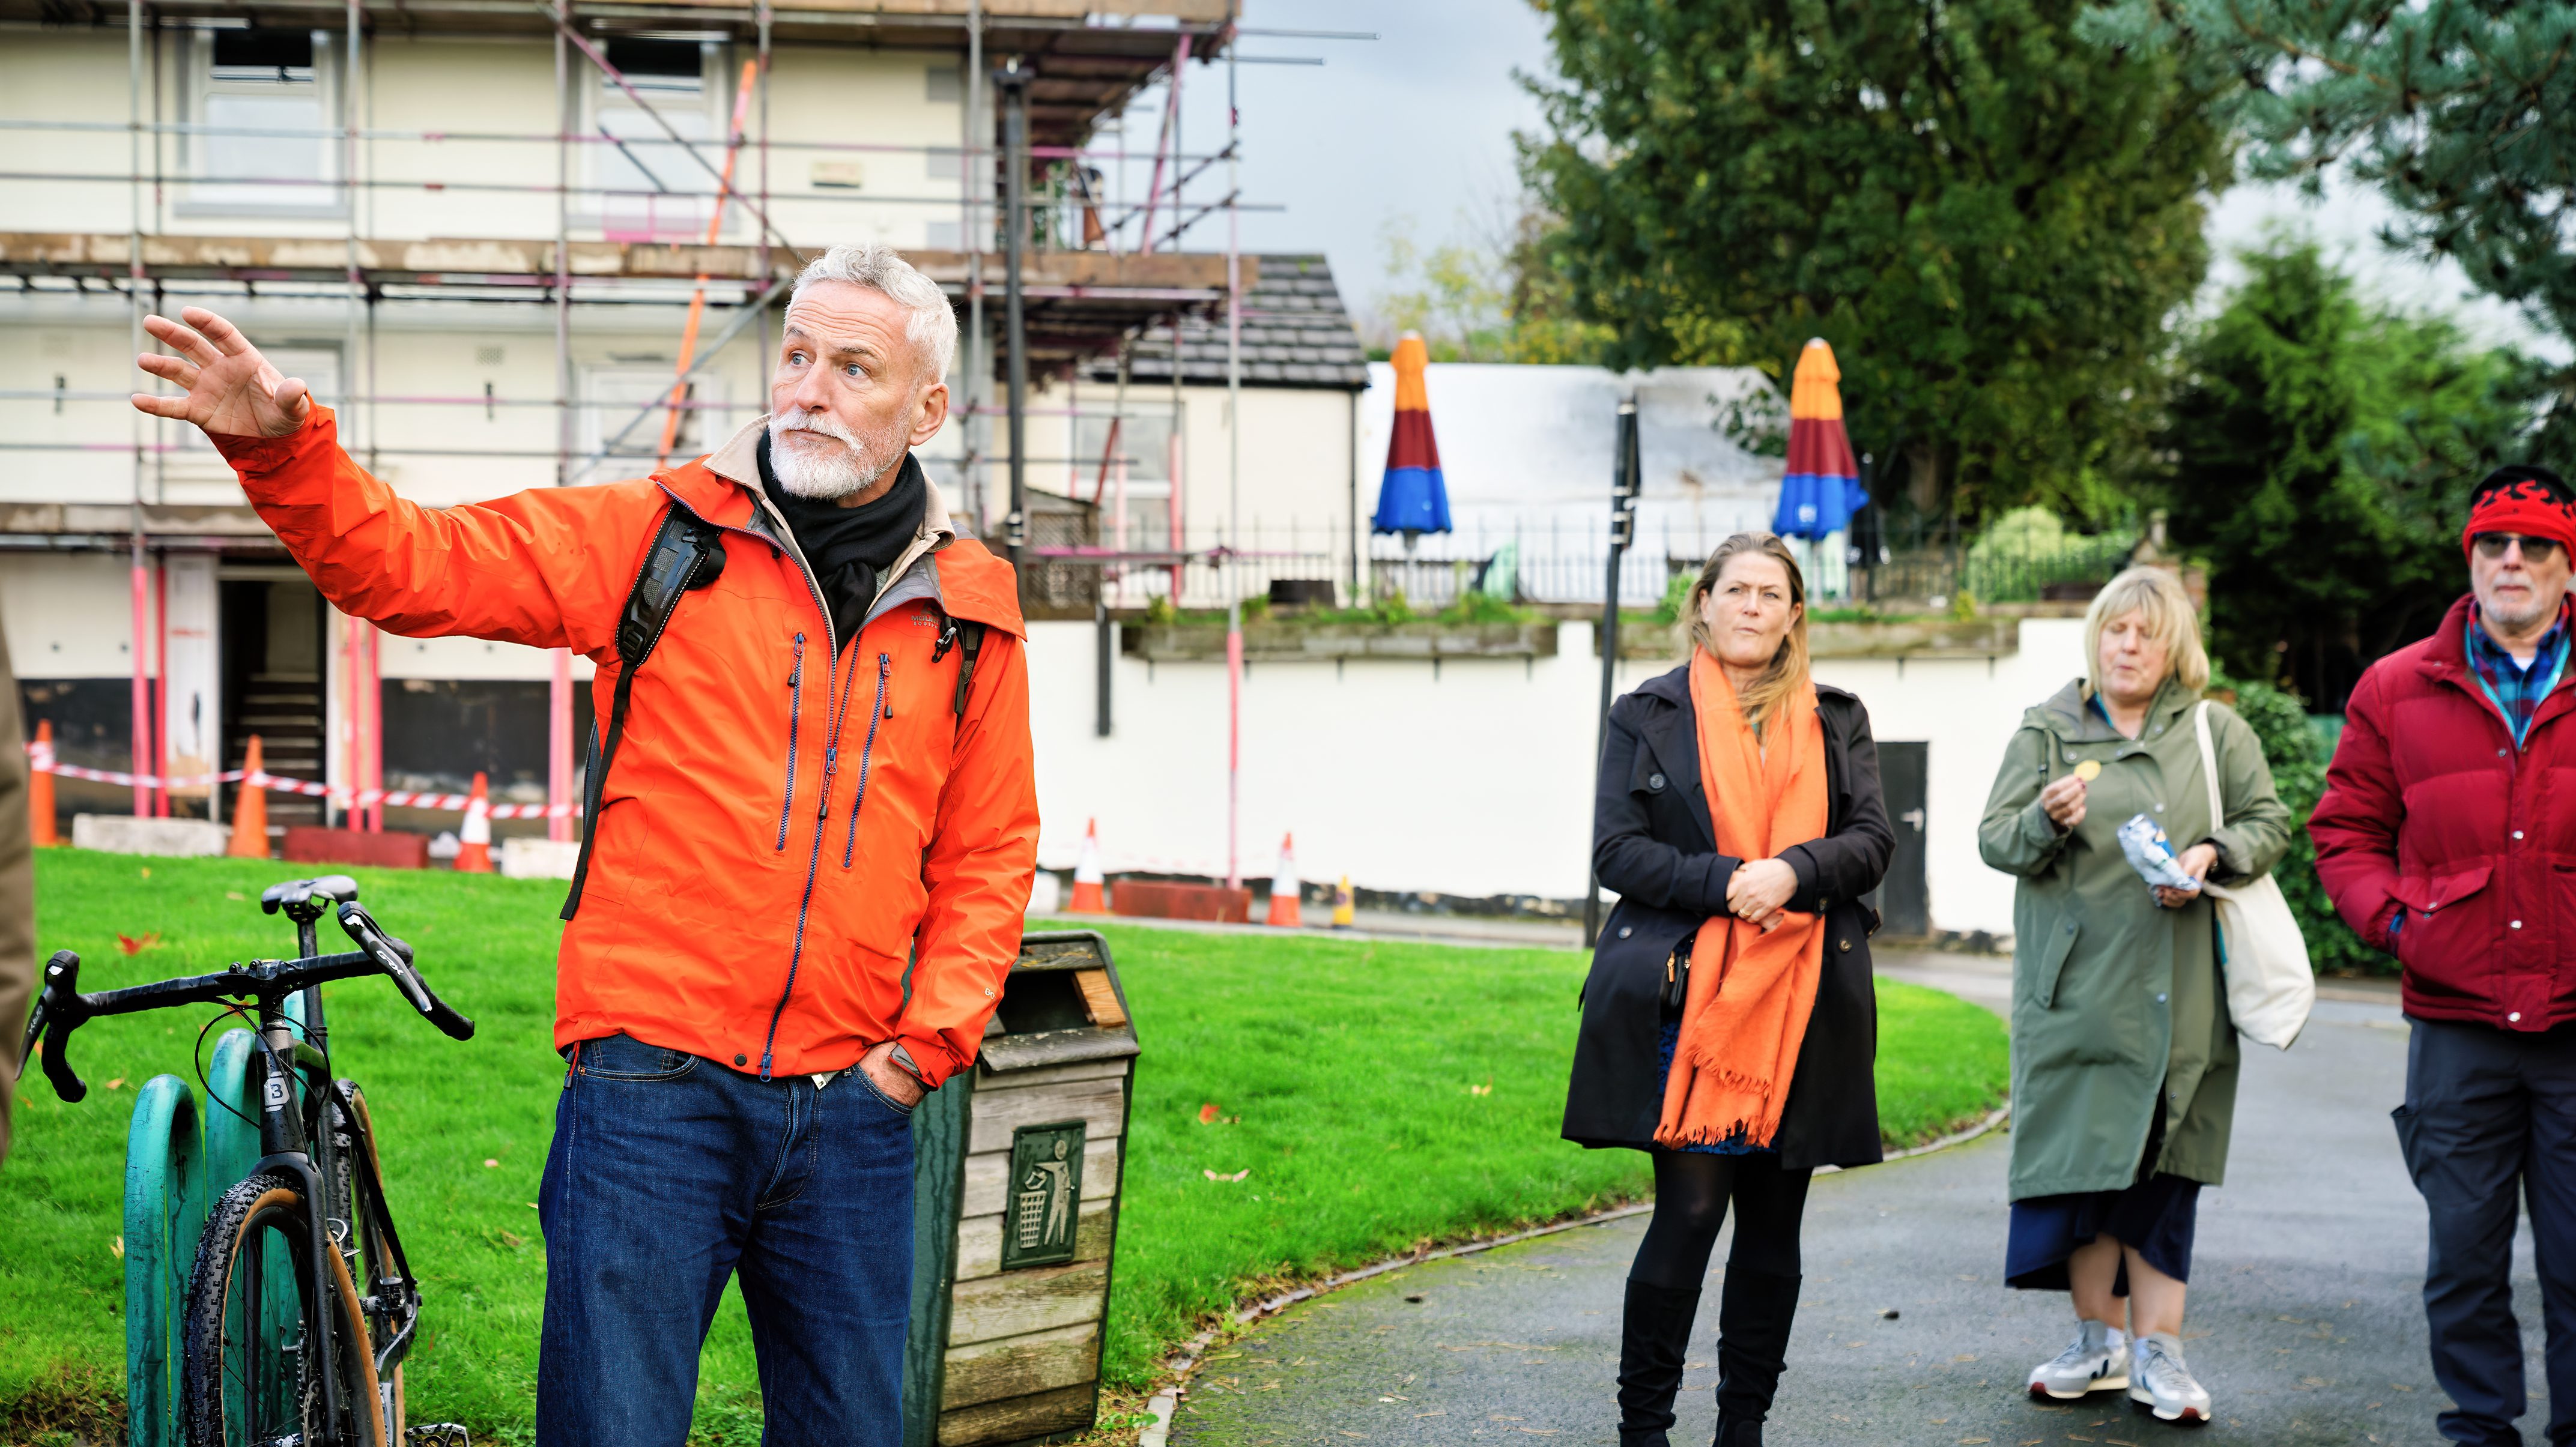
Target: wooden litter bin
pixel 1018 1166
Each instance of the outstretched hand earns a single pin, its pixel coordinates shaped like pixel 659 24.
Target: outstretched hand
pixel 231 388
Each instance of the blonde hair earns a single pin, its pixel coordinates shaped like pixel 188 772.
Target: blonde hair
pixel 2158 596
pixel 1787 673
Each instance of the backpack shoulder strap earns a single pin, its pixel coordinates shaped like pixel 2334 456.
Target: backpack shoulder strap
pixel 970 639
pixel 687 554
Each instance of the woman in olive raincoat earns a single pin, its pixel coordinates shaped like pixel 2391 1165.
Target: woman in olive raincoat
pixel 2124 1060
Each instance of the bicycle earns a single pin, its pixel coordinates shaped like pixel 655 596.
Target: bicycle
pixel 299 1356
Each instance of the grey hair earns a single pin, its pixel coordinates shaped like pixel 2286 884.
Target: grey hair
pixel 879 267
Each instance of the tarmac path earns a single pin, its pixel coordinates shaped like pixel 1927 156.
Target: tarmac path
pixel 2306 1320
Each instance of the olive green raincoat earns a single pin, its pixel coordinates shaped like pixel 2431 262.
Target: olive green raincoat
pixel 2118 1001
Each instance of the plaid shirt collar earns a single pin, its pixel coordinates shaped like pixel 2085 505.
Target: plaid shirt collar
pixel 2515 689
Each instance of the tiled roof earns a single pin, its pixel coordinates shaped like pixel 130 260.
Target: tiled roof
pixel 1295 334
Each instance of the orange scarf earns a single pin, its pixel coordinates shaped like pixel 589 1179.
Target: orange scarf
pixel 1750 993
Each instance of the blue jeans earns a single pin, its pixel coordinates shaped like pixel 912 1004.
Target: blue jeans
pixel 2490 1116
pixel 670 1174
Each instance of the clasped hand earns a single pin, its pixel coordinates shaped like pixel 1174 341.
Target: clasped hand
pixel 1759 890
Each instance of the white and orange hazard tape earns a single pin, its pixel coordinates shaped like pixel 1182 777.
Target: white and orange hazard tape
pixel 41 759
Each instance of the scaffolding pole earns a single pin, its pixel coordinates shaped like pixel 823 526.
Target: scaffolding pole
pixel 1233 476
pixel 974 163
pixel 559 825
pixel 142 625
pixel 1014 83
pixel 764 17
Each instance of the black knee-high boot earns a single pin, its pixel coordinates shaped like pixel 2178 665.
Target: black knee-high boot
pixel 1653 1339
pixel 1753 1318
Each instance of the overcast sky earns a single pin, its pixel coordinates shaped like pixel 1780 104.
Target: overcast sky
pixel 1414 129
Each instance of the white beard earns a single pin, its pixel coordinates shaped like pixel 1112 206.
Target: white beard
pixel 829 476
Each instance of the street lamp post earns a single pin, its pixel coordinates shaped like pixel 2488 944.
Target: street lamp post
pixel 1626 481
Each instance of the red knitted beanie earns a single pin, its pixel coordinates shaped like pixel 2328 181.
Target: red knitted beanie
pixel 2522 499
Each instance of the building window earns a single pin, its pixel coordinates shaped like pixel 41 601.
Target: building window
pixel 269 101
pixel 649 188
pixel 1133 482
pixel 616 393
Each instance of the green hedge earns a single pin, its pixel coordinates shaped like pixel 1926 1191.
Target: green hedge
pixel 2298 753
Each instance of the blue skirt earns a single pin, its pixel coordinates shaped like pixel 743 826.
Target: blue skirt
pixel 1672 1043
pixel 2154 1216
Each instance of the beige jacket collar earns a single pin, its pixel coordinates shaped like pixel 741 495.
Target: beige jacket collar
pixel 738 462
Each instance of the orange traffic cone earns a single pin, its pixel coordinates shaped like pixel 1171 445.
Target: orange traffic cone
pixel 1284 886
pixel 474 841
pixel 250 808
pixel 1087 898
pixel 40 787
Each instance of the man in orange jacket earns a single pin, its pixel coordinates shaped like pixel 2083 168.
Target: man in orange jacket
pixel 809 795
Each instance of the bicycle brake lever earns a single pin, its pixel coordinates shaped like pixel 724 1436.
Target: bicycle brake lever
pixel 395 957
pixel 51 1015
pixel 27 1045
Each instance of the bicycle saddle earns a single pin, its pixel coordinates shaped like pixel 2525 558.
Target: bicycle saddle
pixel 306 898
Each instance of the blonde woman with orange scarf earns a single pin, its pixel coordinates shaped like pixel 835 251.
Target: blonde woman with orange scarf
pixel 1729 1022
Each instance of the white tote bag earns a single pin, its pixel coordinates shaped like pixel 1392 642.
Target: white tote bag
pixel 2270 985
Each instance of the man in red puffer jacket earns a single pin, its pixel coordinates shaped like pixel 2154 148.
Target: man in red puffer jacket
pixel 2444 840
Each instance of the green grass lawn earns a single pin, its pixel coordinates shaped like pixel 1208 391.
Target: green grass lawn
pixel 1379 1095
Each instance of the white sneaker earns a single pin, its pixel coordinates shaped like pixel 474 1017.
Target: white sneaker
pixel 2096 1361
pixel 2164 1385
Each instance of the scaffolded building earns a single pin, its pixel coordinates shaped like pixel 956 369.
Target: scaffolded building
pixel 515 244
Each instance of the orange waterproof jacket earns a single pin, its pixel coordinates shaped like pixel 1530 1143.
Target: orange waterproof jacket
pixel 790 818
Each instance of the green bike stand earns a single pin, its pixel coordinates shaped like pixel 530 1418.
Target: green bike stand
pixel 177 1162
pixel 165 1209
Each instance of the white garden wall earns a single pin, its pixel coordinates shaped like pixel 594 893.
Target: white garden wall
pixel 1474 779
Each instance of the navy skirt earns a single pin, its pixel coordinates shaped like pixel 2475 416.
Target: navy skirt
pixel 2154 1216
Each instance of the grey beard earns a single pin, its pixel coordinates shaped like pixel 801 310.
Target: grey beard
pixel 837 476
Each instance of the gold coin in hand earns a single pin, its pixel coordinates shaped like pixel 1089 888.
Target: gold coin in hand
pixel 2089 770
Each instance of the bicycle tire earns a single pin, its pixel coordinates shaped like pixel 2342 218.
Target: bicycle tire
pixel 372 1253
pixel 225 1365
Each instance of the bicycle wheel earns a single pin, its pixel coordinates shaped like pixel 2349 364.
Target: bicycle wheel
pixel 372 1264
pixel 255 1367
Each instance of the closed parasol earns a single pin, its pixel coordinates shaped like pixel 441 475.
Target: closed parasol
pixel 1414 497
pixel 1822 488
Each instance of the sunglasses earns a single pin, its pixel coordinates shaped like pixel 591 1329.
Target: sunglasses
pixel 2534 550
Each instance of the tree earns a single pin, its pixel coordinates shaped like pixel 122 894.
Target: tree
pixel 1490 298
pixel 2457 109
pixel 1988 216
pixel 2321 451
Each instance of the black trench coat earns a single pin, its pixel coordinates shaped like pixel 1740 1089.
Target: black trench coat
pixel 1653 843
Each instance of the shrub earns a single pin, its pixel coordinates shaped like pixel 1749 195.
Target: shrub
pixel 1480 607
pixel 2297 755
pixel 1677 591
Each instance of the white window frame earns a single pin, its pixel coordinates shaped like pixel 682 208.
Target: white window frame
pixel 594 209
pixel 198 85
pixel 632 384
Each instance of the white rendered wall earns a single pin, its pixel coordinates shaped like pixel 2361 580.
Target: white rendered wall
pixel 1476 781
pixel 69 615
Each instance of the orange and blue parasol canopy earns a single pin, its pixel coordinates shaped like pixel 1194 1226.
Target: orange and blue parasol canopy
pixel 1414 497
pixel 1822 489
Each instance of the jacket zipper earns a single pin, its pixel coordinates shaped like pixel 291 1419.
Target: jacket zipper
pixel 813 863
pixel 823 810
pixel 795 705
pixel 867 751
